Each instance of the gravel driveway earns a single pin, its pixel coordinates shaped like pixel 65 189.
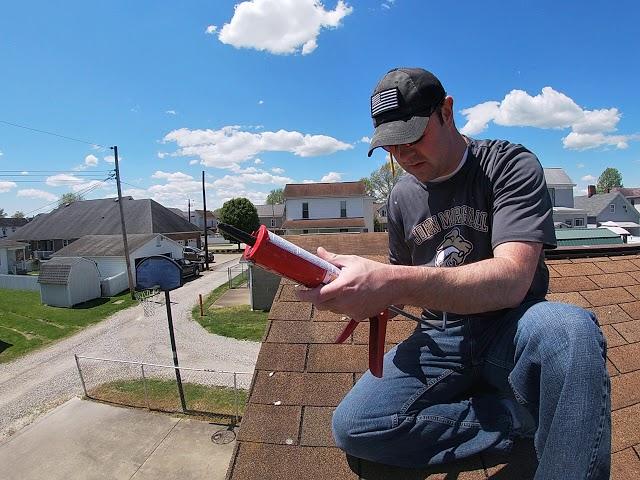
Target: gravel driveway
pixel 32 385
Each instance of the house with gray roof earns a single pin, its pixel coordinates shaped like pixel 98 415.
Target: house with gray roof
pixel 631 194
pixel 610 207
pixel 9 226
pixel 49 233
pixel 560 188
pixel 271 216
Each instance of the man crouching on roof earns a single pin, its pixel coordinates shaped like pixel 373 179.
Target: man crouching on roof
pixel 508 363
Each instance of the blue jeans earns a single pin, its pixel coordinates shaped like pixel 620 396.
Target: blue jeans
pixel 448 395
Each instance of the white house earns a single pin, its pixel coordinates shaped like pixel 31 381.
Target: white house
pixel 327 208
pixel 107 251
pixel 560 188
pixel 611 208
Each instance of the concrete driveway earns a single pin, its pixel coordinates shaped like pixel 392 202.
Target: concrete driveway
pixel 88 440
pixel 32 385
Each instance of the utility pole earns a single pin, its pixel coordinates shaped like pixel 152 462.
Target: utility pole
pixel 206 244
pixel 189 207
pixel 124 228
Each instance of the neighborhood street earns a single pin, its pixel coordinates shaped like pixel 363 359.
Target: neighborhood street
pixel 32 385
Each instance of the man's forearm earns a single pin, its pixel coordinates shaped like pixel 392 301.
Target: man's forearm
pixel 484 286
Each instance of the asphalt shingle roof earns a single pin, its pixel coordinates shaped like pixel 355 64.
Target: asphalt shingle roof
pixel 102 217
pixel 270 210
pixel 595 204
pixel 557 176
pixel 336 189
pixel 104 245
pixel 301 376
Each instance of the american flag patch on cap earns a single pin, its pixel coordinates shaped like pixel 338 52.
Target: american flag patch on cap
pixel 383 101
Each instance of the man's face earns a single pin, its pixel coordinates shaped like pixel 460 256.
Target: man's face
pixel 425 159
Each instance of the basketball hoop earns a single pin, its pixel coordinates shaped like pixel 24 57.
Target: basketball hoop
pixel 150 299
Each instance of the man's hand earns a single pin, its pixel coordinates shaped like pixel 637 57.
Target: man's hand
pixel 363 289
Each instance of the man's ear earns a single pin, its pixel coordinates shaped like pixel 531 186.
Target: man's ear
pixel 447 110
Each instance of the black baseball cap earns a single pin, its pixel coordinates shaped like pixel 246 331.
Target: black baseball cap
pixel 401 105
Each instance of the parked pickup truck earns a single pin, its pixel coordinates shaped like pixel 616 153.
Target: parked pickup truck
pixel 195 254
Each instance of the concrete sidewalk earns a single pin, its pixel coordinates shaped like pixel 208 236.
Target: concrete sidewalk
pixel 88 440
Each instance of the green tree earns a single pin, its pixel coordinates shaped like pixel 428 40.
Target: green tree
pixel 240 213
pixel 275 197
pixel 69 197
pixel 381 181
pixel 2 213
pixel 18 214
pixel 609 179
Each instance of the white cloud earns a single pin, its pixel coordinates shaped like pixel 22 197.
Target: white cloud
pixel 278 170
pixel 549 109
pixel 170 112
pixel 365 140
pixel 229 146
pixel 257 161
pixel 38 194
pixel 332 177
pixel 580 165
pixel 6 186
pixel 160 155
pixel 588 178
pixel 1 153
pixel 91 160
pixel 112 159
pixel 281 26
pixel 260 102
pixel 90 184
pixel 211 29
pixel 193 162
pixel 308 181
pixel 63 179
pixel 387 4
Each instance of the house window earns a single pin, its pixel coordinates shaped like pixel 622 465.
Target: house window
pixel 343 208
pixel 552 195
pixel 612 208
pixel 305 209
pixel 273 222
pixel 579 222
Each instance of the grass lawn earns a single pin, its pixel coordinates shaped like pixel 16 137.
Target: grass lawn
pixel 237 322
pixel 26 324
pixel 163 395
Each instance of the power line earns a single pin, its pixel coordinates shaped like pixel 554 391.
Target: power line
pixel 39 173
pixel 51 133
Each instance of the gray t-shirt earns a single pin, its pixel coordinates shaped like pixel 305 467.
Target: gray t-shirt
pixel 499 195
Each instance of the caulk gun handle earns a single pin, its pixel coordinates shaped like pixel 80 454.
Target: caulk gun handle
pixel 377 333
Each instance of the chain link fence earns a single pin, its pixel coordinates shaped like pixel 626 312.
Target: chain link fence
pixel 211 393
pixel 238 275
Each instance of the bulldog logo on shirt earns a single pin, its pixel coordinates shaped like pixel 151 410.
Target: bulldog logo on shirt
pixel 453 250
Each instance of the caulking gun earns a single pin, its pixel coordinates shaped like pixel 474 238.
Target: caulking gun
pixel 274 253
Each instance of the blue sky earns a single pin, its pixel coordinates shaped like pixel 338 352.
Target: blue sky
pixel 267 92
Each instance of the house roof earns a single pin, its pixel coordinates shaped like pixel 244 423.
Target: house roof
pixel 586 236
pixel 12 244
pixel 595 204
pixel 57 270
pixel 13 222
pixel 105 245
pixel 557 177
pixel 356 222
pixel 628 192
pixel 270 210
pixel 336 189
pixel 102 217
pixel 301 376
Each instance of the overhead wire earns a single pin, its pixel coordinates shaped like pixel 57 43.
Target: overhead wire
pixel 52 133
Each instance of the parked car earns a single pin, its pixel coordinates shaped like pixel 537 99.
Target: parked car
pixel 195 254
pixel 189 268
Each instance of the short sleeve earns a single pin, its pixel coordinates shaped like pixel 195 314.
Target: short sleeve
pixel 399 253
pixel 522 209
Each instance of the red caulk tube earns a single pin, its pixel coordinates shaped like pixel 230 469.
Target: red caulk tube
pixel 282 257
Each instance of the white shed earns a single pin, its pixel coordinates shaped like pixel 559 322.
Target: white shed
pixel 107 251
pixel 65 282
